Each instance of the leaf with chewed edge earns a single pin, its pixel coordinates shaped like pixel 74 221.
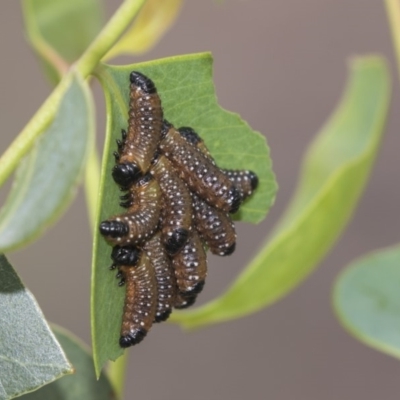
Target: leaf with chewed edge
pixel 334 174
pixel 30 355
pixel 185 86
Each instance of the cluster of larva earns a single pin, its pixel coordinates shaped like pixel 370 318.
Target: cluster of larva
pixel 178 203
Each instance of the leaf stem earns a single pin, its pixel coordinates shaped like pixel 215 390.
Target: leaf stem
pixel 88 61
pixel 108 36
pixel 38 123
pixel 393 14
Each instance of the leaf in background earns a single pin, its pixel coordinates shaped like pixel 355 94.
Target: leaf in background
pixel 334 174
pixel 61 30
pixel 187 92
pixel 366 299
pixel 30 356
pixel 47 178
pixel 155 18
pixel 83 384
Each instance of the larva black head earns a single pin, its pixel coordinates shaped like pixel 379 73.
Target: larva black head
pixel 235 200
pixel 253 180
pixel 142 81
pixel 125 174
pixel 228 251
pixel 132 338
pixel 114 229
pixel 127 255
pixel 190 135
pixel 176 241
pixel 188 301
pixel 163 316
pixel 166 126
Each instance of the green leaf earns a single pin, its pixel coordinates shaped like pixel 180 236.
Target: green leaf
pixel 30 356
pixel 334 174
pixel 155 18
pixel 60 31
pixel 83 384
pixel 47 178
pixel 187 92
pixel 366 299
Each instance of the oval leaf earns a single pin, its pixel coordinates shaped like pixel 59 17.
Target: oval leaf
pixel 155 18
pixel 30 356
pixel 366 299
pixel 61 30
pixel 334 174
pixel 83 383
pixel 187 92
pixel 47 178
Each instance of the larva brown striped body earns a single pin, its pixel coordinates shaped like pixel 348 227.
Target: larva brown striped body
pixel 215 227
pixel 141 220
pixel 245 181
pixel 140 301
pixel 165 277
pixel 203 177
pixel 190 266
pixel 140 142
pixel 177 211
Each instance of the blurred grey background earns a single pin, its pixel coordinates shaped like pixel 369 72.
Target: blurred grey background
pixel 282 66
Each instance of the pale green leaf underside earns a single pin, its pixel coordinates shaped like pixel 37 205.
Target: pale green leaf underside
pixel 47 178
pixel 81 385
pixel 66 26
pixel 367 300
pixel 334 174
pixel 30 356
pixel 187 92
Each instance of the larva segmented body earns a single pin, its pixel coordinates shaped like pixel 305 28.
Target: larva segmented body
pixel 141 220
pixel 177 210
pixel 193 137
pixel 202 176
pixel 165 277
pixel 245 181
pixel 190 266
pixel 139 143
pixel 215 227
pixel 140 301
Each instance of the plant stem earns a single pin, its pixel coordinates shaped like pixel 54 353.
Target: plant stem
pixel 393 13
pixel 36 126
pixel 88 61
pixel 108 36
